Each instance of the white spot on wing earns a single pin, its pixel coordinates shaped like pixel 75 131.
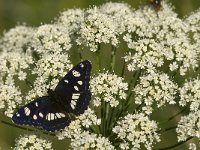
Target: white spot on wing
pixel 62 115
pixel 36 104
pixel 82 65
pixel 41 115
pixel 17 114
pixel 76 73
pixel 48 116
pixel 80 82
pixel 34 117
pixel 66 81
pixel 75 96
pixel 52 116
pixel 76 88
pixel 73 104
pixel 27 111
pixel 58 115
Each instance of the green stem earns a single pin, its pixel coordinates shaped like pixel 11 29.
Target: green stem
pixel 128 100
pixel 98 56
pixel 167 129
pixel 24 128
pixel 107 114
pixel 175 145
pixel 102 116
pixel 29 83
pixel 113 56
pixel 132 84
pixel 174 116
pixel 123 69
pixel 79 54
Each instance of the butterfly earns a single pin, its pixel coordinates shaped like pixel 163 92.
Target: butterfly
pixel 52 112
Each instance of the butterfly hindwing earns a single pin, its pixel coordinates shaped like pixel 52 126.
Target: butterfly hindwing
pixel 73 88
pixel 42 113
pixel 25 115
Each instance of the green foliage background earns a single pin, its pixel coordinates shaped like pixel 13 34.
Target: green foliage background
pixel 35 12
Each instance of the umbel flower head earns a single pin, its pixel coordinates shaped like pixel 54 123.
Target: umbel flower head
pixel 32 142
pixel 144 80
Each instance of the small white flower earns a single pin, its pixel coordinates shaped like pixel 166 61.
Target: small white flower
pixel 97 28
pixel 71 18
pixel 86 120
pixel 155 88
pixel 192 146
pixel 190 93
pixel 189 126
pixel 17 39
pixel 157 38
pixel 32 142
pixel 109 88
pixel 137 130
pixel 51 38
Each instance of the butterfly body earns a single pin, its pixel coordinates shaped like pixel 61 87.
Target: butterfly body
pixel 52 112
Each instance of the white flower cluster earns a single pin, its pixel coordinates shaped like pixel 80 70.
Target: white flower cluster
pixel 194 21
pixel 189 126
pixel 71 18
pixel 35 58
pixel 81 138
pixel 10 64
pixel 97 28
pixel 157 38
pixel 88 140
pixel 96 25
pixel 190 93
pixel 137 130
pixel 109 88
pixel 32 142
pixel 155 88
pixel 16 39
pixel 51 38
pixel 192 146
pixel 87 119
pixel 10 97
pixel 49 69
pixel 119 12
pixel 14 66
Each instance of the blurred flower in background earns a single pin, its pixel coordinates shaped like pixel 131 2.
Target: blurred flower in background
pixel 144 62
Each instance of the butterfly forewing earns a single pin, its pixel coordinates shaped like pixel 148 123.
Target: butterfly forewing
pixel 73 88
pixel 42 113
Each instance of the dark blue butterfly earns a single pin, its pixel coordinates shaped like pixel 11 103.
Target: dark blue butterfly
pixel 52 112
